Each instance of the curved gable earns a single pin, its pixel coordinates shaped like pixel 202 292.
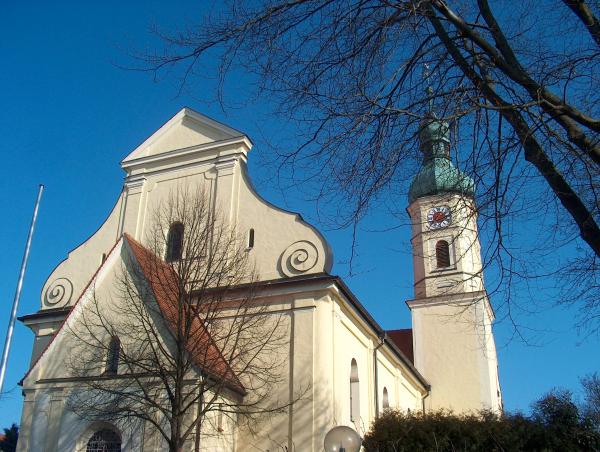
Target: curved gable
pixel 195 151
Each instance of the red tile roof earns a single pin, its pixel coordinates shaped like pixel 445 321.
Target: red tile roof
pixel 404 341
pixel 165 287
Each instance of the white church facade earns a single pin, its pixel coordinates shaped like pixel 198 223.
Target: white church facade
pixel 351 368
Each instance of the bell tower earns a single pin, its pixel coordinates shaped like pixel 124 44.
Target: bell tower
pixel 452 316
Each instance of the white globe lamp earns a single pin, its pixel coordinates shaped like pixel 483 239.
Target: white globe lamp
pixel 342 439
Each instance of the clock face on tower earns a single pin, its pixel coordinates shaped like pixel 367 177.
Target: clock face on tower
pixel 439 217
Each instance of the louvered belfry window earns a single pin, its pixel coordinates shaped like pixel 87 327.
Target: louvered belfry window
pixel 442 254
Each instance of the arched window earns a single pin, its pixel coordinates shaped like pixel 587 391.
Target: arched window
pixel 386 400
pixel 442 254
pixel 104 440
pixel 354 392
pixel 174 242
pixel 112 358
pixel 251 238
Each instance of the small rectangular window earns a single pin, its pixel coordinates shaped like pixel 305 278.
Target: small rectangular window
pixel 112 358
pixel 251 238
pixel 174 242
pixel 220 419
pixel 354 393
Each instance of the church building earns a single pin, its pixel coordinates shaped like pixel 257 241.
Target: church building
pixel 350 368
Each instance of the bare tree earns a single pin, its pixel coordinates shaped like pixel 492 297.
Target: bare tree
pixel 591 400
pixel 522 78
pixel 180 342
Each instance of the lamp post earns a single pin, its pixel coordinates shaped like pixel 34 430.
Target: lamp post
pixel 342 439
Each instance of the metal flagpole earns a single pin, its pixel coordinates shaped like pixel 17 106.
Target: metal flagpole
pixel 13 315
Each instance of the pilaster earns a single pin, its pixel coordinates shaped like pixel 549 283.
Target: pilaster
pixel 54 420
pixel 26 420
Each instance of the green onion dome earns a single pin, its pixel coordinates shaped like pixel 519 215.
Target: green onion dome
pixel 438 174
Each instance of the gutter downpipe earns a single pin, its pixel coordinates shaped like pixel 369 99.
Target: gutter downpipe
pixel 423 399
pixel 382 339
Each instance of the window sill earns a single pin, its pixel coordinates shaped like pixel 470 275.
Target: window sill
pixel 444 269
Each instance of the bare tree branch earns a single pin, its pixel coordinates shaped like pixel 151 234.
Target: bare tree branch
pixel 518 81
pixel 191 342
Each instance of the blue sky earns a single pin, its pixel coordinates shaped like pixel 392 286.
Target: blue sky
pixel 70 114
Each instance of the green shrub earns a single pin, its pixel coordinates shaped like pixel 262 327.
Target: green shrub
pixel 555 425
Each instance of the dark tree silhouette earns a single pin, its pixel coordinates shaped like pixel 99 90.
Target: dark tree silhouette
pixel 591 402
pixel 556 423
pixel 8 442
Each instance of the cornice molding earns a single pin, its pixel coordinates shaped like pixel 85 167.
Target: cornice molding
pixel 244 141
pixel 460 299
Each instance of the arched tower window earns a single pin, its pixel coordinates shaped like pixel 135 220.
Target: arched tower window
pixel 174 242
pixel 112 358
pixel 354 392
pixel 386 400
pixel 251 238
pixel 104 440
pixel 442 254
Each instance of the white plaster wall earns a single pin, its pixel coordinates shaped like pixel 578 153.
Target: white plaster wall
pixel 66 282
pixel 325 334
pixel 342 336
pixel 39 422
pixel 326 411
pixel 452 352
pixel 386 376
pixel 214 439
pixel 292 317
pixel 285 245
pixel 352 343
pixel 189 133
pixel 492 362
pixel 402 395
pixel 54 362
